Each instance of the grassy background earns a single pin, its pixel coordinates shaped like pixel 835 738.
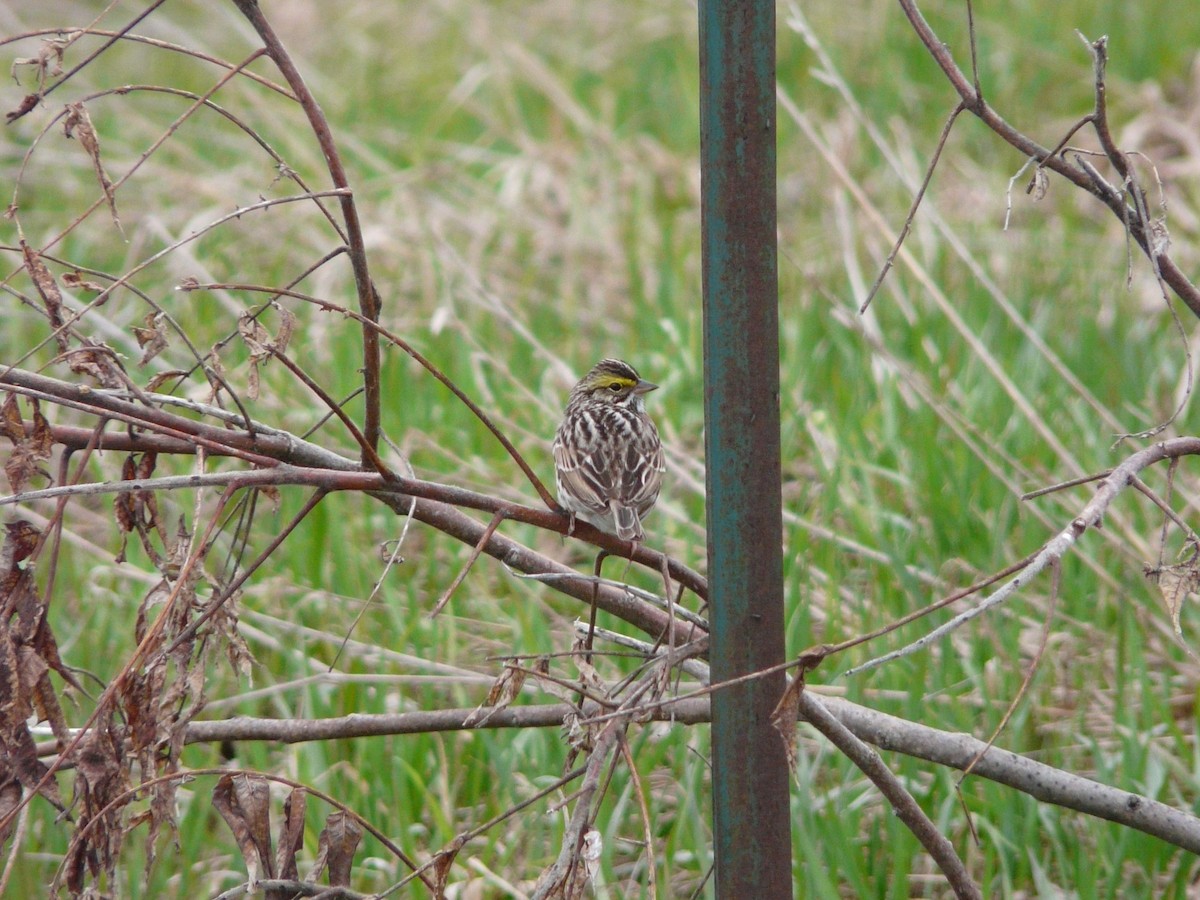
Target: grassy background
pixel 527 177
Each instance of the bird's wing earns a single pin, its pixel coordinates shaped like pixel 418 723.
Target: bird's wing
pixel 641 483
pixel 585 476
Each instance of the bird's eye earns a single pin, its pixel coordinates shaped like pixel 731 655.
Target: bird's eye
pixel 615 387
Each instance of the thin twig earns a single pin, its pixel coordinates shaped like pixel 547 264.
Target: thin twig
pixel 400 342
pixel 368 297
pixel 41 95
pixel 940 51
pixel 912 210
pixel 1054 549
pixel 497 518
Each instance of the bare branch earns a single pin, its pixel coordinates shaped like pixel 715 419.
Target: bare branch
pixel 1140 231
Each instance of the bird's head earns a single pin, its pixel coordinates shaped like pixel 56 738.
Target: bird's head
pixel 613 381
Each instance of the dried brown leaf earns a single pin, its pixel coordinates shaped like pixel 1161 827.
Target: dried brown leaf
pixel 12 425
pixel 101 795
pixel 784 719
pixel 336 847
pixel 18 596
pixel 99 362
pixel 28 102
pixel 501 694
pixel 20 467
pixel 41 438
pixel 32 445
pixel 47 289
pixel 123 505
pixel 258 342
pixel 1176 583
pixel 287 327
pixel 224 622
pixel 1039 183
pixel 291 834
pixel 10 799
pixel 47 63
pixel 153 338
pixel 79 124
pixel 256 337
pixel 444 862
pixel 163 377
pixel 243 802
pixel 76 281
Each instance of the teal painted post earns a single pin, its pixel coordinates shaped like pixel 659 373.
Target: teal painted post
pixel 751 821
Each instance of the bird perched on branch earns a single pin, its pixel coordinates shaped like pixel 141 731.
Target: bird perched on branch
pixel 608 460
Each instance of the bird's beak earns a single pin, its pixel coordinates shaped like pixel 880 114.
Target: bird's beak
pixel 644 387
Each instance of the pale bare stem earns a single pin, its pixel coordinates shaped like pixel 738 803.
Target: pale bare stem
pixel 926 610
pixel 955 750
pixel 569 869
pixel 1045 783
pixel 565 869
pixel 682 613
pixel 1064 485
pixel 905 806
pixel 696 668
pixel 1029 161
pixel 1054 550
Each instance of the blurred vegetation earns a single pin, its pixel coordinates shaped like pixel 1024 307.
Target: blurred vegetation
pixel 527 177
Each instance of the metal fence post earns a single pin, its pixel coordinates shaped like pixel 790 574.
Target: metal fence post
pixel 751 821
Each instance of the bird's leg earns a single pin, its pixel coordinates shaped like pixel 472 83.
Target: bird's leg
pixel 666 576
pixel 587 646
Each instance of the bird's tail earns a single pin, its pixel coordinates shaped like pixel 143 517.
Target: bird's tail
pixel 629 526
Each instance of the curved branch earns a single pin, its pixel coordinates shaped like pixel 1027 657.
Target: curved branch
pixel 368 298
pixel 404 345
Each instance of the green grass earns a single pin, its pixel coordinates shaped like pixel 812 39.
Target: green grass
pixel 527 178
